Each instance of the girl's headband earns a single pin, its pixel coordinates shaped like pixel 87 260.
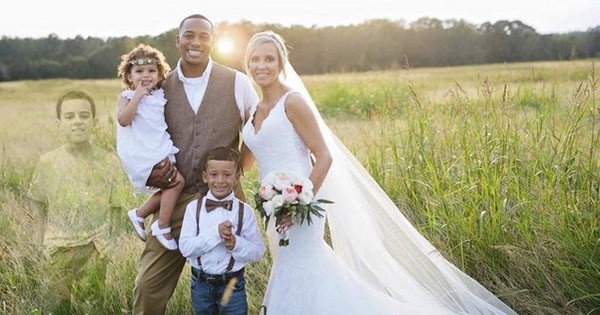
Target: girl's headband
pixel 143 61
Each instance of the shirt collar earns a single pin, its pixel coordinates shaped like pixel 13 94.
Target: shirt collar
pixel 185 79
pixel 209 195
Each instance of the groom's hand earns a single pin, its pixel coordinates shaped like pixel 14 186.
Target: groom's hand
pixel 163 175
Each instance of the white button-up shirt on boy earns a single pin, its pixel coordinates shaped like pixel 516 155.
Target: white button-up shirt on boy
pixel 206 243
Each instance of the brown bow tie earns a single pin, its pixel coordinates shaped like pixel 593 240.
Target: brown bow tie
pixel 213 204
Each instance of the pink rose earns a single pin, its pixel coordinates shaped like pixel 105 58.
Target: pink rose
pixel 290 194
pixel 266 192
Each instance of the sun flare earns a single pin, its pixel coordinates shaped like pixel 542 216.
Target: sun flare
pixel 225 46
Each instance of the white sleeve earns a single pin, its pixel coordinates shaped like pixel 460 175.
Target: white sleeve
pixel 245 94
pixel 249 246
pixel 192 245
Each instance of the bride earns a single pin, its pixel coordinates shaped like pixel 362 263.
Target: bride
pixel 381 264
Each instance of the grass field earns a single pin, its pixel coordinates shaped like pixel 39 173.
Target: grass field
pixel 497 165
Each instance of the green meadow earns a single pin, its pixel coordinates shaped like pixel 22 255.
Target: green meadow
pixel 497 165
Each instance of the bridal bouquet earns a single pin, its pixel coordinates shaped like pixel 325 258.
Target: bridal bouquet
pixel 285 193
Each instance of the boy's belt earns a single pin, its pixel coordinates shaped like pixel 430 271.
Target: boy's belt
pixel 220 279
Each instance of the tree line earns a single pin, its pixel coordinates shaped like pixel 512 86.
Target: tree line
pixel 372 45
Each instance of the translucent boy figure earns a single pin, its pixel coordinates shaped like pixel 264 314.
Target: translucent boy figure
pixel 219 237
pixel 77 188
pixel 143 140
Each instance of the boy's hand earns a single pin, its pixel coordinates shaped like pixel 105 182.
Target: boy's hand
pixel 230 243
pixel 226 234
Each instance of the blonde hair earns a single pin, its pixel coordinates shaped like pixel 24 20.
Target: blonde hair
pixel 267 37
pixel 140 55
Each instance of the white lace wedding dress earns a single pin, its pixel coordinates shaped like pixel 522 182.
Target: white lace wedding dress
pixel 307 277
pixel 379 264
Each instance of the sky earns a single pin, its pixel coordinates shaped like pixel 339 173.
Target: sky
pixel 116 18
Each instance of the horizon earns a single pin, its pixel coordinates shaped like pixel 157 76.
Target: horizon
pixel 407 23
pixel 109 19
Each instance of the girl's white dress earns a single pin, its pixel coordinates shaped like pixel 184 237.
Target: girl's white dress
pixel 307 277
pixel 145 142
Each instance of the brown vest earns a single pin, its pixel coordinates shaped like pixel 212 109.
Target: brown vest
pixel 217 123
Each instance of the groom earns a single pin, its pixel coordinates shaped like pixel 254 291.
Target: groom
pixel 207 105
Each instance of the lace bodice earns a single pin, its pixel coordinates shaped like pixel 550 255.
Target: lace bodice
pixel 276 145
pixel 307 276
pixel 381 265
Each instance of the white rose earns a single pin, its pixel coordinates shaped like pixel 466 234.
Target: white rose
pixel 306 196
pixel 268 207
pixel 282 180
pixel 277 201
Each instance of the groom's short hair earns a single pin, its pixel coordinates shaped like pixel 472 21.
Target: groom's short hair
pixel 196 16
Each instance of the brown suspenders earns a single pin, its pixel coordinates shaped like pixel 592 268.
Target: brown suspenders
pixel 238 231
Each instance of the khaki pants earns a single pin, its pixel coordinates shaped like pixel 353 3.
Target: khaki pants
pixel 75 278
pixel 160 268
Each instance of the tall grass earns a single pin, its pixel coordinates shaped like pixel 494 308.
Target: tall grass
pixel 503 177
pixel 495 164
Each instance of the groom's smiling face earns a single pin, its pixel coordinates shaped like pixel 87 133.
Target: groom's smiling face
pixel 195 40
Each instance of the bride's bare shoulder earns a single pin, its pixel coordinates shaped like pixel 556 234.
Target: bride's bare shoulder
pixel 295 101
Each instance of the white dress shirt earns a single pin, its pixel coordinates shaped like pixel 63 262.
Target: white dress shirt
pixel 245 95
pixel 208 245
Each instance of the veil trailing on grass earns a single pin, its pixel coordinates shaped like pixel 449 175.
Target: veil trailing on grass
pixel 372 236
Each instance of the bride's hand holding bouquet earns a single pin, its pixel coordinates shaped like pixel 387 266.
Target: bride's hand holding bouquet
pixel 290 199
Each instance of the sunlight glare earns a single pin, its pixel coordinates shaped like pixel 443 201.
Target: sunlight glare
pixel 225 46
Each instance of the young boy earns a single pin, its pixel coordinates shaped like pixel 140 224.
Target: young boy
pixel 219 236
pixel 77 188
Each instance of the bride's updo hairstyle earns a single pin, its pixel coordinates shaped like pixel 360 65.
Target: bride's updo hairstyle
pixel 267 37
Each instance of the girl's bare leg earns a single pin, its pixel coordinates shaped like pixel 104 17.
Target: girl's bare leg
pixel 168 200
pixel 151 205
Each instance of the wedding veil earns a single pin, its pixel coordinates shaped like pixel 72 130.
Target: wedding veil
pixel 372 236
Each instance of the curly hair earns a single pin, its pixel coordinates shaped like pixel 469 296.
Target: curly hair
pixel 143 51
